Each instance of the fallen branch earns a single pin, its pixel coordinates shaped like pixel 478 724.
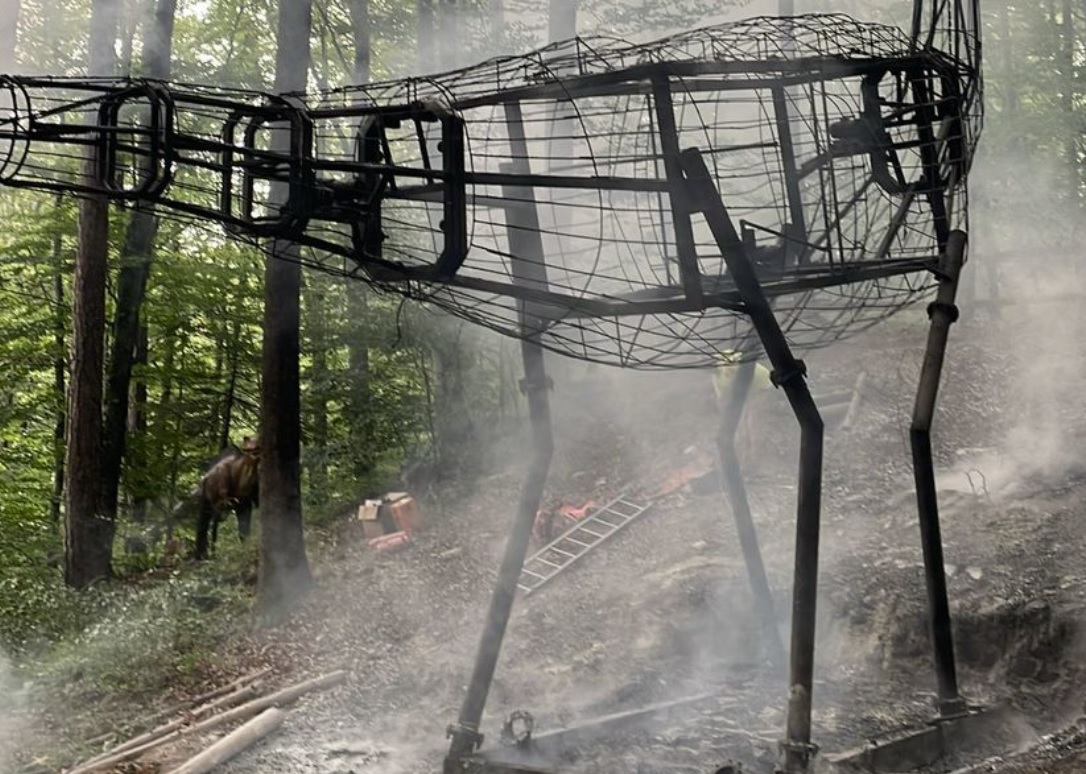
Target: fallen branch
pixel 245 692
pixel 284 696
pixel 233 743
pixel 196 701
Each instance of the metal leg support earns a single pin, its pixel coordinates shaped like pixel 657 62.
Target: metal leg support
pixel 465 734
pixel 787 373
pixel 943 313
pixel 731 477
pixel 529 269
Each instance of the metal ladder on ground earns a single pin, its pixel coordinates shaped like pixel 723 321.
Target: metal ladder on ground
pixel 565 550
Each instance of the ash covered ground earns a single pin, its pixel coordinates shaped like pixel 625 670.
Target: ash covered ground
pixel 664 610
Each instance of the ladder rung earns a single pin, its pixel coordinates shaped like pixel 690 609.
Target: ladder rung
pixel 536 574
pixel 546 561
pixel 560 551
pixel 596 535
pixel 604 521
pixel 578 542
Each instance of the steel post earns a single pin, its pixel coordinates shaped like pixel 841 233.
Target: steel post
pixel 788 373
pixel 942 313
pixel 735 490
pixel 529 270
pixel 465 734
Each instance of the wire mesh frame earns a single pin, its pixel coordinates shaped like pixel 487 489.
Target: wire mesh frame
pixel 841 147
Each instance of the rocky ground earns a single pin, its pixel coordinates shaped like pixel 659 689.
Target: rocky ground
pixel 663 610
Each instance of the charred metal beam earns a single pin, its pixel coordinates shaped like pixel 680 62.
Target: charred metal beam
pixel 789 374
pixel 943 312
pixel 689 274
pixel 455 223
pixel 529 270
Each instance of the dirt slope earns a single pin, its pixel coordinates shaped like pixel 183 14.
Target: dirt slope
pixel 664 609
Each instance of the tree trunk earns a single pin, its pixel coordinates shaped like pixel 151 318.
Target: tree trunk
pixel 448 42
pixel 132 286
pixel 88 540
pixel 562 20
pixel 358 354
pixel 141 496
pixel 234 357
pixel 317 445
pixel 497 26
pixel 284 568
pixel 1068 91
pixel 60 376
pixel 358 365
pixel 9 36
pixel 425 36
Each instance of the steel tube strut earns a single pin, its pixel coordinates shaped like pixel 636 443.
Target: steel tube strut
pixel 735 490
pixel 529 269
pixel 943 313
pixel 788 372
pixel 465 734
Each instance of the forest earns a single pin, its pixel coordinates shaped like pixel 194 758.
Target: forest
pixel 135 349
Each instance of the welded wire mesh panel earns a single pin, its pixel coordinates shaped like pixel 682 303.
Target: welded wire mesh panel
pixel 544 195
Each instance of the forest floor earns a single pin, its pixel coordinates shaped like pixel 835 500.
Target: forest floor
pixel 663 610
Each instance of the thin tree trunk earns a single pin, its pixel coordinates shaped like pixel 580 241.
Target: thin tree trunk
pixel 358 353
pixel 497 26
pixel 1067 30
pixel 88 540
pixel 448 42
pixel 139 428
pixel 425 36
pixel 10 11
pixel 317 448
pixel 60 376
pixel 284 569
pixel 132 286
pixel 232 386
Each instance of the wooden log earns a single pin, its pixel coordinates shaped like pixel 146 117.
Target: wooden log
pixel 244 692
pixel 284 696
pixel 233 743
pixel 215 693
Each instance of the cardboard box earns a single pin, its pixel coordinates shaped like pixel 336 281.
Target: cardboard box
pixel 405 513
pixel 369 514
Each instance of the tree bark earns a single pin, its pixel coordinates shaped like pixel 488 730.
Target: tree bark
pixel 358 354
pixel 60 376
pixel 141 495
pixel 88 540
pixel 425 35
pixel 233 356
pixel 132 286
pixel 284 569
pixel 317 444
pixel 10 11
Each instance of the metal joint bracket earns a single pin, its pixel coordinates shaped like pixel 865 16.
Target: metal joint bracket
pixel 526 385
pixel 940 306
pixel 464 733
pixel 806 749
pixel 799 370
